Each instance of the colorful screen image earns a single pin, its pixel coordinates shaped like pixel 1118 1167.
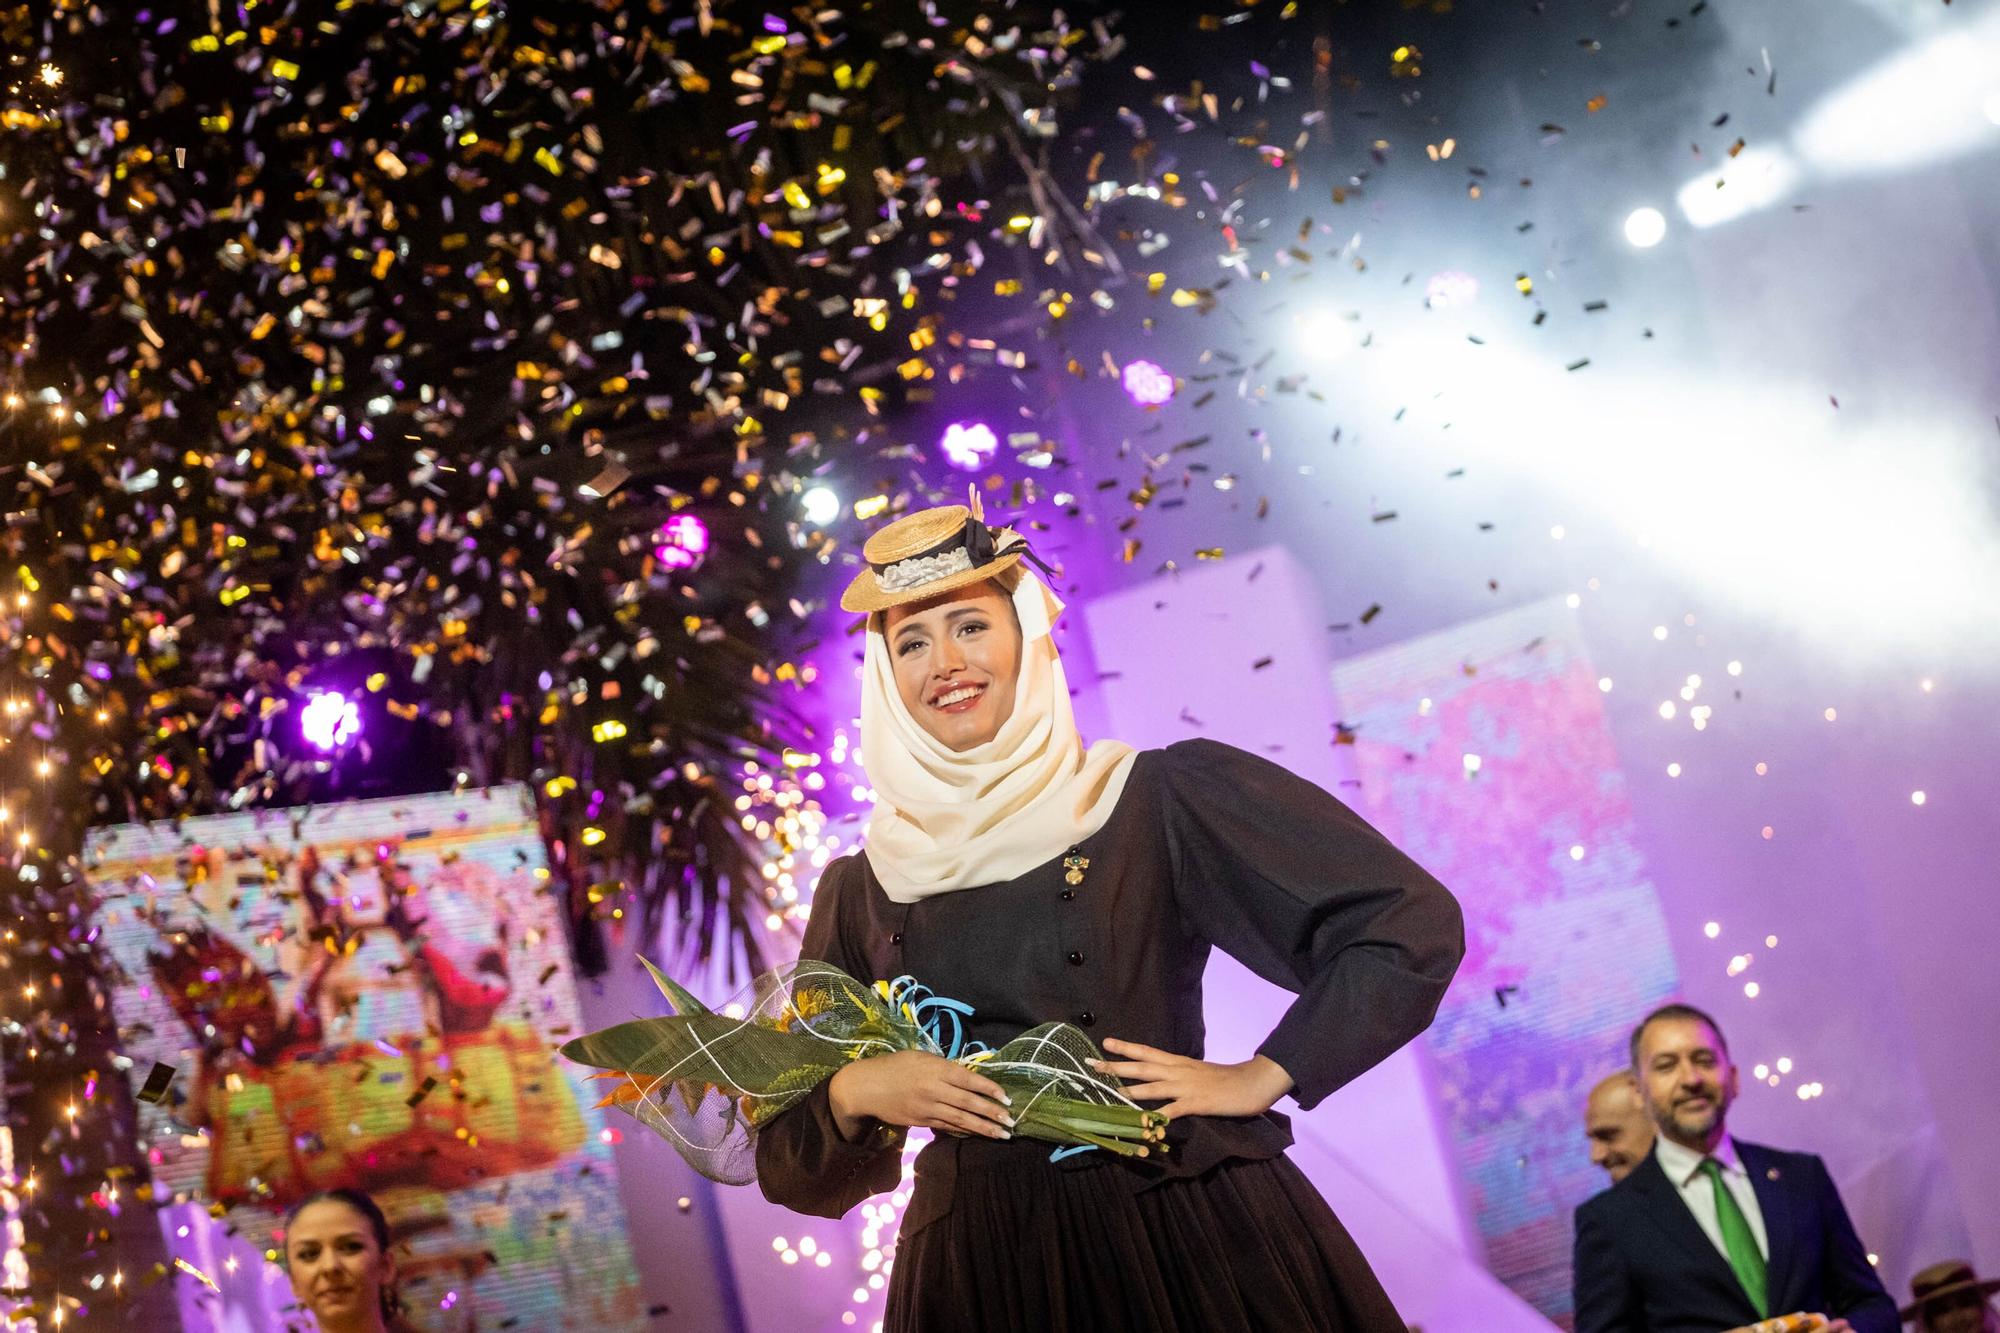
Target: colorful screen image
pixel 369 995
pixel 1483 751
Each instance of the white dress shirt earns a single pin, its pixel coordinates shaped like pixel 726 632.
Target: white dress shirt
pixel 1683 1168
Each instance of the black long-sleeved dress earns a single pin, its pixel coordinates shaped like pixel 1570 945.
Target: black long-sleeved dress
pixel 1209 846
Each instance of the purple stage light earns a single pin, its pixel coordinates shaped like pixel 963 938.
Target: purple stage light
pixel 330 720
pixel 1149 384
pixel 683 542
pixel 968 444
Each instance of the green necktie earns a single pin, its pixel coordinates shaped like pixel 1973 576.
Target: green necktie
pixel 1737 1240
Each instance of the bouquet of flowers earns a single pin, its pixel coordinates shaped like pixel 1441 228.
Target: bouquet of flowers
pixel 705 1081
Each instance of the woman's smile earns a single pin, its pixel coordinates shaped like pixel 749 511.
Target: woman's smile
pixel 959 698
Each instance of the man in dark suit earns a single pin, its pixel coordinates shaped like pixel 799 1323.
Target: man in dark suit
pixel 1709 1233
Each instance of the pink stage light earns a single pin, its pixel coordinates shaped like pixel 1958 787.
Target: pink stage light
pixel 968 444
pixel 1149 384
pixel 330 720
pixel 683 542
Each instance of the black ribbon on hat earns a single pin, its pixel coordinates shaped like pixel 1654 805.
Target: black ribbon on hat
pixel 981 546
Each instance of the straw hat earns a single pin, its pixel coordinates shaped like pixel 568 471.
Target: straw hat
pixel 930 552
pixel 1950 1278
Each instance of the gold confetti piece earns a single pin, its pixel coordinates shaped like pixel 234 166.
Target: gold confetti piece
pixel 195 1273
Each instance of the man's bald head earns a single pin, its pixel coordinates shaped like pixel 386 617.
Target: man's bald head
pixel 1615 1120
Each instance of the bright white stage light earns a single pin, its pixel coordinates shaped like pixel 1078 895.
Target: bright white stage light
pixel 821 505
pixel 1645 227
pixel 1792 515
pixel 1451 288
pixel 1922 105
pixel 1753 180
pixel 1327 335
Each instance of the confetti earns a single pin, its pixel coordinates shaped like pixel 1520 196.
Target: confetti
pixel 158 1080
pixel 438 409
pixel 199 1276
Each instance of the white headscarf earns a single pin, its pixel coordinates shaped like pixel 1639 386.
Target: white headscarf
pixel 947 819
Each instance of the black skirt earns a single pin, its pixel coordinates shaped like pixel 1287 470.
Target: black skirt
pixel 1247 1245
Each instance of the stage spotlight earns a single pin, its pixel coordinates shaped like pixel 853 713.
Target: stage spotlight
pixel 1451 288
pixel 683 542
pixel 1645 227
pixel 1852 531
pixel 1751 181
pixel 1327 335
pixel 1920 105
pixel 1148 384
pixel 330 721
pixel 821 506
pixel 968 444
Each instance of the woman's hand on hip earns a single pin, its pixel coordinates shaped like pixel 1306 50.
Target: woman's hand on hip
pixel 916 1088
pixel 1195 1087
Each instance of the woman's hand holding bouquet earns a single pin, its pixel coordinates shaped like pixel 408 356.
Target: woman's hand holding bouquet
pixel 894 1053
pixel 918 1090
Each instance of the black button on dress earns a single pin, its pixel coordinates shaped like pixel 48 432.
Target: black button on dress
pixel 1209 846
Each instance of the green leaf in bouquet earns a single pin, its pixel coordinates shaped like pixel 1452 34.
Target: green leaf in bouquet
pixel 678 996
pixel 704 1048
pixel 787 1090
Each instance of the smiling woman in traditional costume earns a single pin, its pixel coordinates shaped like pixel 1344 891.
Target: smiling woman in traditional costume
pixel 1037 880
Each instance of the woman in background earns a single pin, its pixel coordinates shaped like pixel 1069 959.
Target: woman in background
pixel 337 1255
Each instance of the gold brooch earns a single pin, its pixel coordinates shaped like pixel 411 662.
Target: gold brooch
pixel 1074 866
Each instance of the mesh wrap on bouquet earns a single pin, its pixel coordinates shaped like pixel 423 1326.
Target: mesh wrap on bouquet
pixel 706 1081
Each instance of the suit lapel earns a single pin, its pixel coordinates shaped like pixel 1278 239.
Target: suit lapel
pixel 1670 1213
pixel 1774 1189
